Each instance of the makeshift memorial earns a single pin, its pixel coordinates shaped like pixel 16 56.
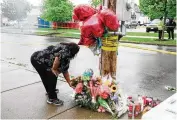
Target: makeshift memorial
pixel 102 93
pixel 91 92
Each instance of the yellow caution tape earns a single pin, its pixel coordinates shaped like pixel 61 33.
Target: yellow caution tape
pixel 110 42
pixel 109 48
pixel 110 38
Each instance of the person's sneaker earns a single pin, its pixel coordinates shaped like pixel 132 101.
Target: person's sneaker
pixel 56 90
pixel 57 102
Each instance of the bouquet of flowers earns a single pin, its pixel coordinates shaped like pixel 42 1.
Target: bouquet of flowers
pixel 99 95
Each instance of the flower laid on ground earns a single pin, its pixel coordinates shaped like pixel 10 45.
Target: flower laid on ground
pixel 92 92
pixel 101 109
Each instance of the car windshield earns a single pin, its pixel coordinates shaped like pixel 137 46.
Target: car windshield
pixel 155 21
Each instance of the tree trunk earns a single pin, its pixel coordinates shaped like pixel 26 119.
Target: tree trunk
pixel 165 15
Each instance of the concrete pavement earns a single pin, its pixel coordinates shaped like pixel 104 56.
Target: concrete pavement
pixel 23 95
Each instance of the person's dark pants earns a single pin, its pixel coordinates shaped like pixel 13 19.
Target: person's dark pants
pixel 160 34
pixel 171 34
pixel 48 78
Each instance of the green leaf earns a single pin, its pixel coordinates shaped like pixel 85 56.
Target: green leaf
pixel 95 3
pixel 155 8
pixel 57 10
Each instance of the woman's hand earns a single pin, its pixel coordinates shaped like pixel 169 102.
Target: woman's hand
pixel 71 86
pixel 55 72
pixel 55 66
pixel 67 77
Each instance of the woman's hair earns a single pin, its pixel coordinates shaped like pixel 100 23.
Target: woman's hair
pixel 73 48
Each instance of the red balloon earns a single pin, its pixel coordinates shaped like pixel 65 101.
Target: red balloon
pixel 86 41
pixel 92 26
pixel 109 19
pixel 82 12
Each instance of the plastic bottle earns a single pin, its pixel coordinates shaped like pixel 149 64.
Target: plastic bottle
pixel 137 109
pixel 141 101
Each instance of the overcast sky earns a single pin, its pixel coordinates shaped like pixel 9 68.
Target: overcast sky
pixel 76 2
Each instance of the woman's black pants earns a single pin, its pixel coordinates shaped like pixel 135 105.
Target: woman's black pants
pixel 48 78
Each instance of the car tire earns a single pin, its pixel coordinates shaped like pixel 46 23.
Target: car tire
pixel 147 30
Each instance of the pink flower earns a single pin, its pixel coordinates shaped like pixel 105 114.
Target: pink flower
pixel 101 109
pixel 79 88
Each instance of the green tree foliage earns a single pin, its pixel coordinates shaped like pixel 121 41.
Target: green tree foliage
pixel 15 9
pixel 171 8
pixel 155 8
pixel 57 10
pixel 95 3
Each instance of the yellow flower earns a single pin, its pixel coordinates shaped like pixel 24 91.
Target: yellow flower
pixel 113 88
pixel 107 83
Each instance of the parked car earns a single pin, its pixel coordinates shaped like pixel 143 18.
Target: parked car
pixel 127 24
pixel 153 25
pixel 12 23
pixel 141 23
pixel 132 24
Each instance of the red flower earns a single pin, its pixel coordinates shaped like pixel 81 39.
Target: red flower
pixel 104 95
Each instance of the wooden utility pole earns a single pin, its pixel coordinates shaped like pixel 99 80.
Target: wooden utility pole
pixel 109 50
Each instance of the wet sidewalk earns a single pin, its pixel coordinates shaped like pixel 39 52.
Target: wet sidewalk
pixel 23 97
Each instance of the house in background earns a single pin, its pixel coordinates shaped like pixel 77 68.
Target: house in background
pixel 135 11
pixel 143 20
pixel 128 11
pixel 122 8
pixel 137 15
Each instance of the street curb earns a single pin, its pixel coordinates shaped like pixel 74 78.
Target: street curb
pixel 57 36
pixel 149 49
pixel 147 43
pixel 124 41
